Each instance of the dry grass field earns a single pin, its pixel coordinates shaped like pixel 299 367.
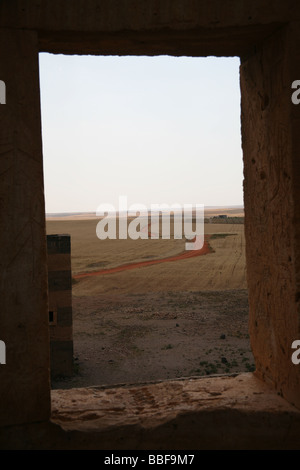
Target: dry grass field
pixel 173 319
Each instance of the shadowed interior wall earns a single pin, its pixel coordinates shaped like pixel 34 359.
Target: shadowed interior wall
pixel 271 205
pixel 264 35
pixel 24 380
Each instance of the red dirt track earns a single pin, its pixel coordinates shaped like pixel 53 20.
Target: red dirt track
pixel 186 254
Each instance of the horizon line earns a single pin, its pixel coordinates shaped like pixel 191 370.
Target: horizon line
pixel 235 206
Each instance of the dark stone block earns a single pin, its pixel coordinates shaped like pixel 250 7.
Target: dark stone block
pixel 58 244
pixel 59 280
pixel 64 316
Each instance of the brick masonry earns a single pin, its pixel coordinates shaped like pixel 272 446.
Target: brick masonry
pixel 60 305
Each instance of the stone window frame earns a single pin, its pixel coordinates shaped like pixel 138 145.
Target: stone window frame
pixel 267 42
pixel 266 45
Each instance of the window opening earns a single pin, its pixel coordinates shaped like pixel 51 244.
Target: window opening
pixel 142 309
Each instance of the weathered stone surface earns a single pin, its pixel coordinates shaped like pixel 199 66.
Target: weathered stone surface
pixel 24 380
pixel 170 27
pixel 271 206
pixel 202 413
pixel 175 414
pixel 130 15
pixel 59 245
pixel 59 280
pixel 59 262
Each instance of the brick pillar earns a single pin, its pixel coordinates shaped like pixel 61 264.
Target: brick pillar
pixel 24 379
pixel 60 305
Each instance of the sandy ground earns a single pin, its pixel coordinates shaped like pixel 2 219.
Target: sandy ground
pixel 147 337
pixel 223 268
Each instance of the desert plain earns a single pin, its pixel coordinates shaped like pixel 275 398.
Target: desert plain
pixel 142 312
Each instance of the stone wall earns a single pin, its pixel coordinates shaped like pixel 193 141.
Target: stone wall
pixel 266 36
pixel 24 380
pixel 269 213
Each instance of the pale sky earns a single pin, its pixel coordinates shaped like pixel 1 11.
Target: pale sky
pixel 155 129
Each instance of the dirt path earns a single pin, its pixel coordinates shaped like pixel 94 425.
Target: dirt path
pixel 206 248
